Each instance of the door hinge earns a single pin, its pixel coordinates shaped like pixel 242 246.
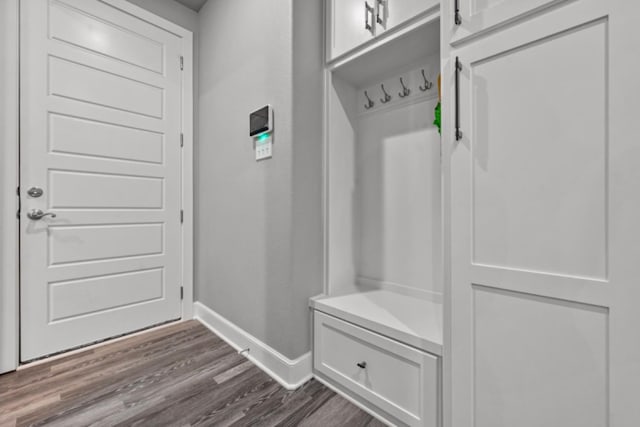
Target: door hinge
pixel 19 203
pixel 181 140
pixel 181 293
pixel 181 62
pixel 181 216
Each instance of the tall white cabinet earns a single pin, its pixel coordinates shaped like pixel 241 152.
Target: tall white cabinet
pixel 542 208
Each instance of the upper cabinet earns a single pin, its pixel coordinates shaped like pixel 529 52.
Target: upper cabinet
pixel 353 23
pixel 472 17
pixel 391 13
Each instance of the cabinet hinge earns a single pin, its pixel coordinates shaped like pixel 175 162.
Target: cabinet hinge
pixel 181 140
pixel 181 216
pixel 181 62
pixel 181 293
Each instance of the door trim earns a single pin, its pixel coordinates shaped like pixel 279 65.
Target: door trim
pixel 9 165
pixel 9 83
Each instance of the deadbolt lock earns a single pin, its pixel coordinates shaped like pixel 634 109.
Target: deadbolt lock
pixel 35 192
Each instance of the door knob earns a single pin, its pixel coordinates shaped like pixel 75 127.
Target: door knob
pixel 37 214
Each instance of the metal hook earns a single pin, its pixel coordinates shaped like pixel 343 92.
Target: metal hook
pixel 427 84
pixel 370 103
pixel 405 90
pixel 387 97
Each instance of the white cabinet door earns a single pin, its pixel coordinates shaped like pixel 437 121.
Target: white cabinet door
pixel 392 13
pixel 476 16
pixel 100 136
pixel 544 223
pixel 350 24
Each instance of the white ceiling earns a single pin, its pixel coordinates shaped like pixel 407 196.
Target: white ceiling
pixel 193 4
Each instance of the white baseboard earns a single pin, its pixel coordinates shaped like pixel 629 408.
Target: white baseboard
pixel 291 374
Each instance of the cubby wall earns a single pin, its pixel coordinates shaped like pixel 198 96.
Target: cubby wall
pixel 398 172
pixel 384 182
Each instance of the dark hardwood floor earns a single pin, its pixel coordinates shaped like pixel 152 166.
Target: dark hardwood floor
pixel 180 375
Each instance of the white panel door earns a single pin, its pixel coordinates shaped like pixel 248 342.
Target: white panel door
pixel 100 132
pixel 544 223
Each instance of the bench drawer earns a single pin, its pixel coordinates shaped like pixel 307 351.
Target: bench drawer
pixel 396 378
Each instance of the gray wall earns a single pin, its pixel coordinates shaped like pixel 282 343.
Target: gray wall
pixel 307 232
pixel 258 224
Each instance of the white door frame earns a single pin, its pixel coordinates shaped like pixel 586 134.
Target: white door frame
pixel 9 171
pixel 9 79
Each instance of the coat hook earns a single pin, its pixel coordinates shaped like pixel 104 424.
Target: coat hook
pixel 369 103
pixel 427 83
pixel 405 90
pixel 387 97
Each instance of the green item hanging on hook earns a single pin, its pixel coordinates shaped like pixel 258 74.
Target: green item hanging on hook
pixel 437 121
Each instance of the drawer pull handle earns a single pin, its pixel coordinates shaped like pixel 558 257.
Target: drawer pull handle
pixel 362 365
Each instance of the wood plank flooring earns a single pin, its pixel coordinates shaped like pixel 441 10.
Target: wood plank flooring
pixel 180 375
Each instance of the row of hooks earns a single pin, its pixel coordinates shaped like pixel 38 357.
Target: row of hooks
pixel 405 92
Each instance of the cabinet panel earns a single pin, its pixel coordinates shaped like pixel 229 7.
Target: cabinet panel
pixel 348 21
pixel 539 170
pixel 395 12
pixel 476 16
pixel 352 23
pixel 508 355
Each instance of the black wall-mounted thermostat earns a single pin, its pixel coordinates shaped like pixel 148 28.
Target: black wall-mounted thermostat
pixel 261 121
